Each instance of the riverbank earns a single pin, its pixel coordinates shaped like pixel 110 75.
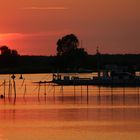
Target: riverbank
pixel 50 64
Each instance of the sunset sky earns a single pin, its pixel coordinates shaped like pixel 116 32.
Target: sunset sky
pixel 34 26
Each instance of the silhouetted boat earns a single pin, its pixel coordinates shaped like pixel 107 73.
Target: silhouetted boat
pixel 115 79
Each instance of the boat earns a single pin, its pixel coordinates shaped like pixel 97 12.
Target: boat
pixel 114 79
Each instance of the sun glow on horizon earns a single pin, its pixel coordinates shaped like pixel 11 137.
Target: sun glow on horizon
pixel 9 36
pixel 19 41
pixel 27 24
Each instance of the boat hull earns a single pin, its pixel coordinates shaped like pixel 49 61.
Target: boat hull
pixel 99 82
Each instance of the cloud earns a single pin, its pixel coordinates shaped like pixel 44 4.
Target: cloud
pixel 46 8
pixel 9 36
pixel 13 36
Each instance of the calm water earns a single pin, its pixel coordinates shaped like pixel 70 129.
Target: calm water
pixel 66 113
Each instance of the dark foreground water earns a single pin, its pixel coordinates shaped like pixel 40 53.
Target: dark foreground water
pixel 66 113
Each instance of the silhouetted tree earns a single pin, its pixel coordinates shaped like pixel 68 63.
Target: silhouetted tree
pixel 8 57
pixel 68 45
pixel 5 51
pixel 69 54
pixel 14 53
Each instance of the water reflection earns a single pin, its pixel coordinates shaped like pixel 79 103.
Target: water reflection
pixel 73 108
pixel 65 110
pixel 73 113
pixel 84 98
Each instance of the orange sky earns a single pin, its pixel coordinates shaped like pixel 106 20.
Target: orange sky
pixel 34 26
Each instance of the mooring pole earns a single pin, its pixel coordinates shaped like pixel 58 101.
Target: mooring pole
pixel 45 98
pixel 4 84
pixel 14 84
pixel 138 96
pixel 25 89
pixel 54 92
pixel 38 90
pixel 87 94
pixel 81 93
pixel 74 93
pixel 99 96
pixel 124 95
pixel 9 92
pixel 62 93
pixel 44 88
pixel 112 95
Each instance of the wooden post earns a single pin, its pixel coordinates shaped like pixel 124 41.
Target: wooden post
pixel 14 84
pixel 39 91
pixel 123 95
pixel 81 93
pixel 4 84
pixel 9 90
pixel 112 95
pixel 14 87
pixel 25 89
pixel 74 94
pixel 62 93
pixel 138 96
pixel 44 88
pixel 54 92
pixel 45 92
pixel 87 95
pixel 45 98
pixel 99 96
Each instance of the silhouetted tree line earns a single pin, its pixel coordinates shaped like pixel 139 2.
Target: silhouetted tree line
pixel 69 58
pixel 8 58
pixel 58 64
pixel 131 61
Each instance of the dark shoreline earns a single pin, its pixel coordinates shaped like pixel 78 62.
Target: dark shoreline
pixel 65 64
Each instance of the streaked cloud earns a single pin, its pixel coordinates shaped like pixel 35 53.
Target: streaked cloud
pixel 13 36
pixel 45 8
pixel 10 36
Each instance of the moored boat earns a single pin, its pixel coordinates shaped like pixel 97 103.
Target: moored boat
pixel 114 79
